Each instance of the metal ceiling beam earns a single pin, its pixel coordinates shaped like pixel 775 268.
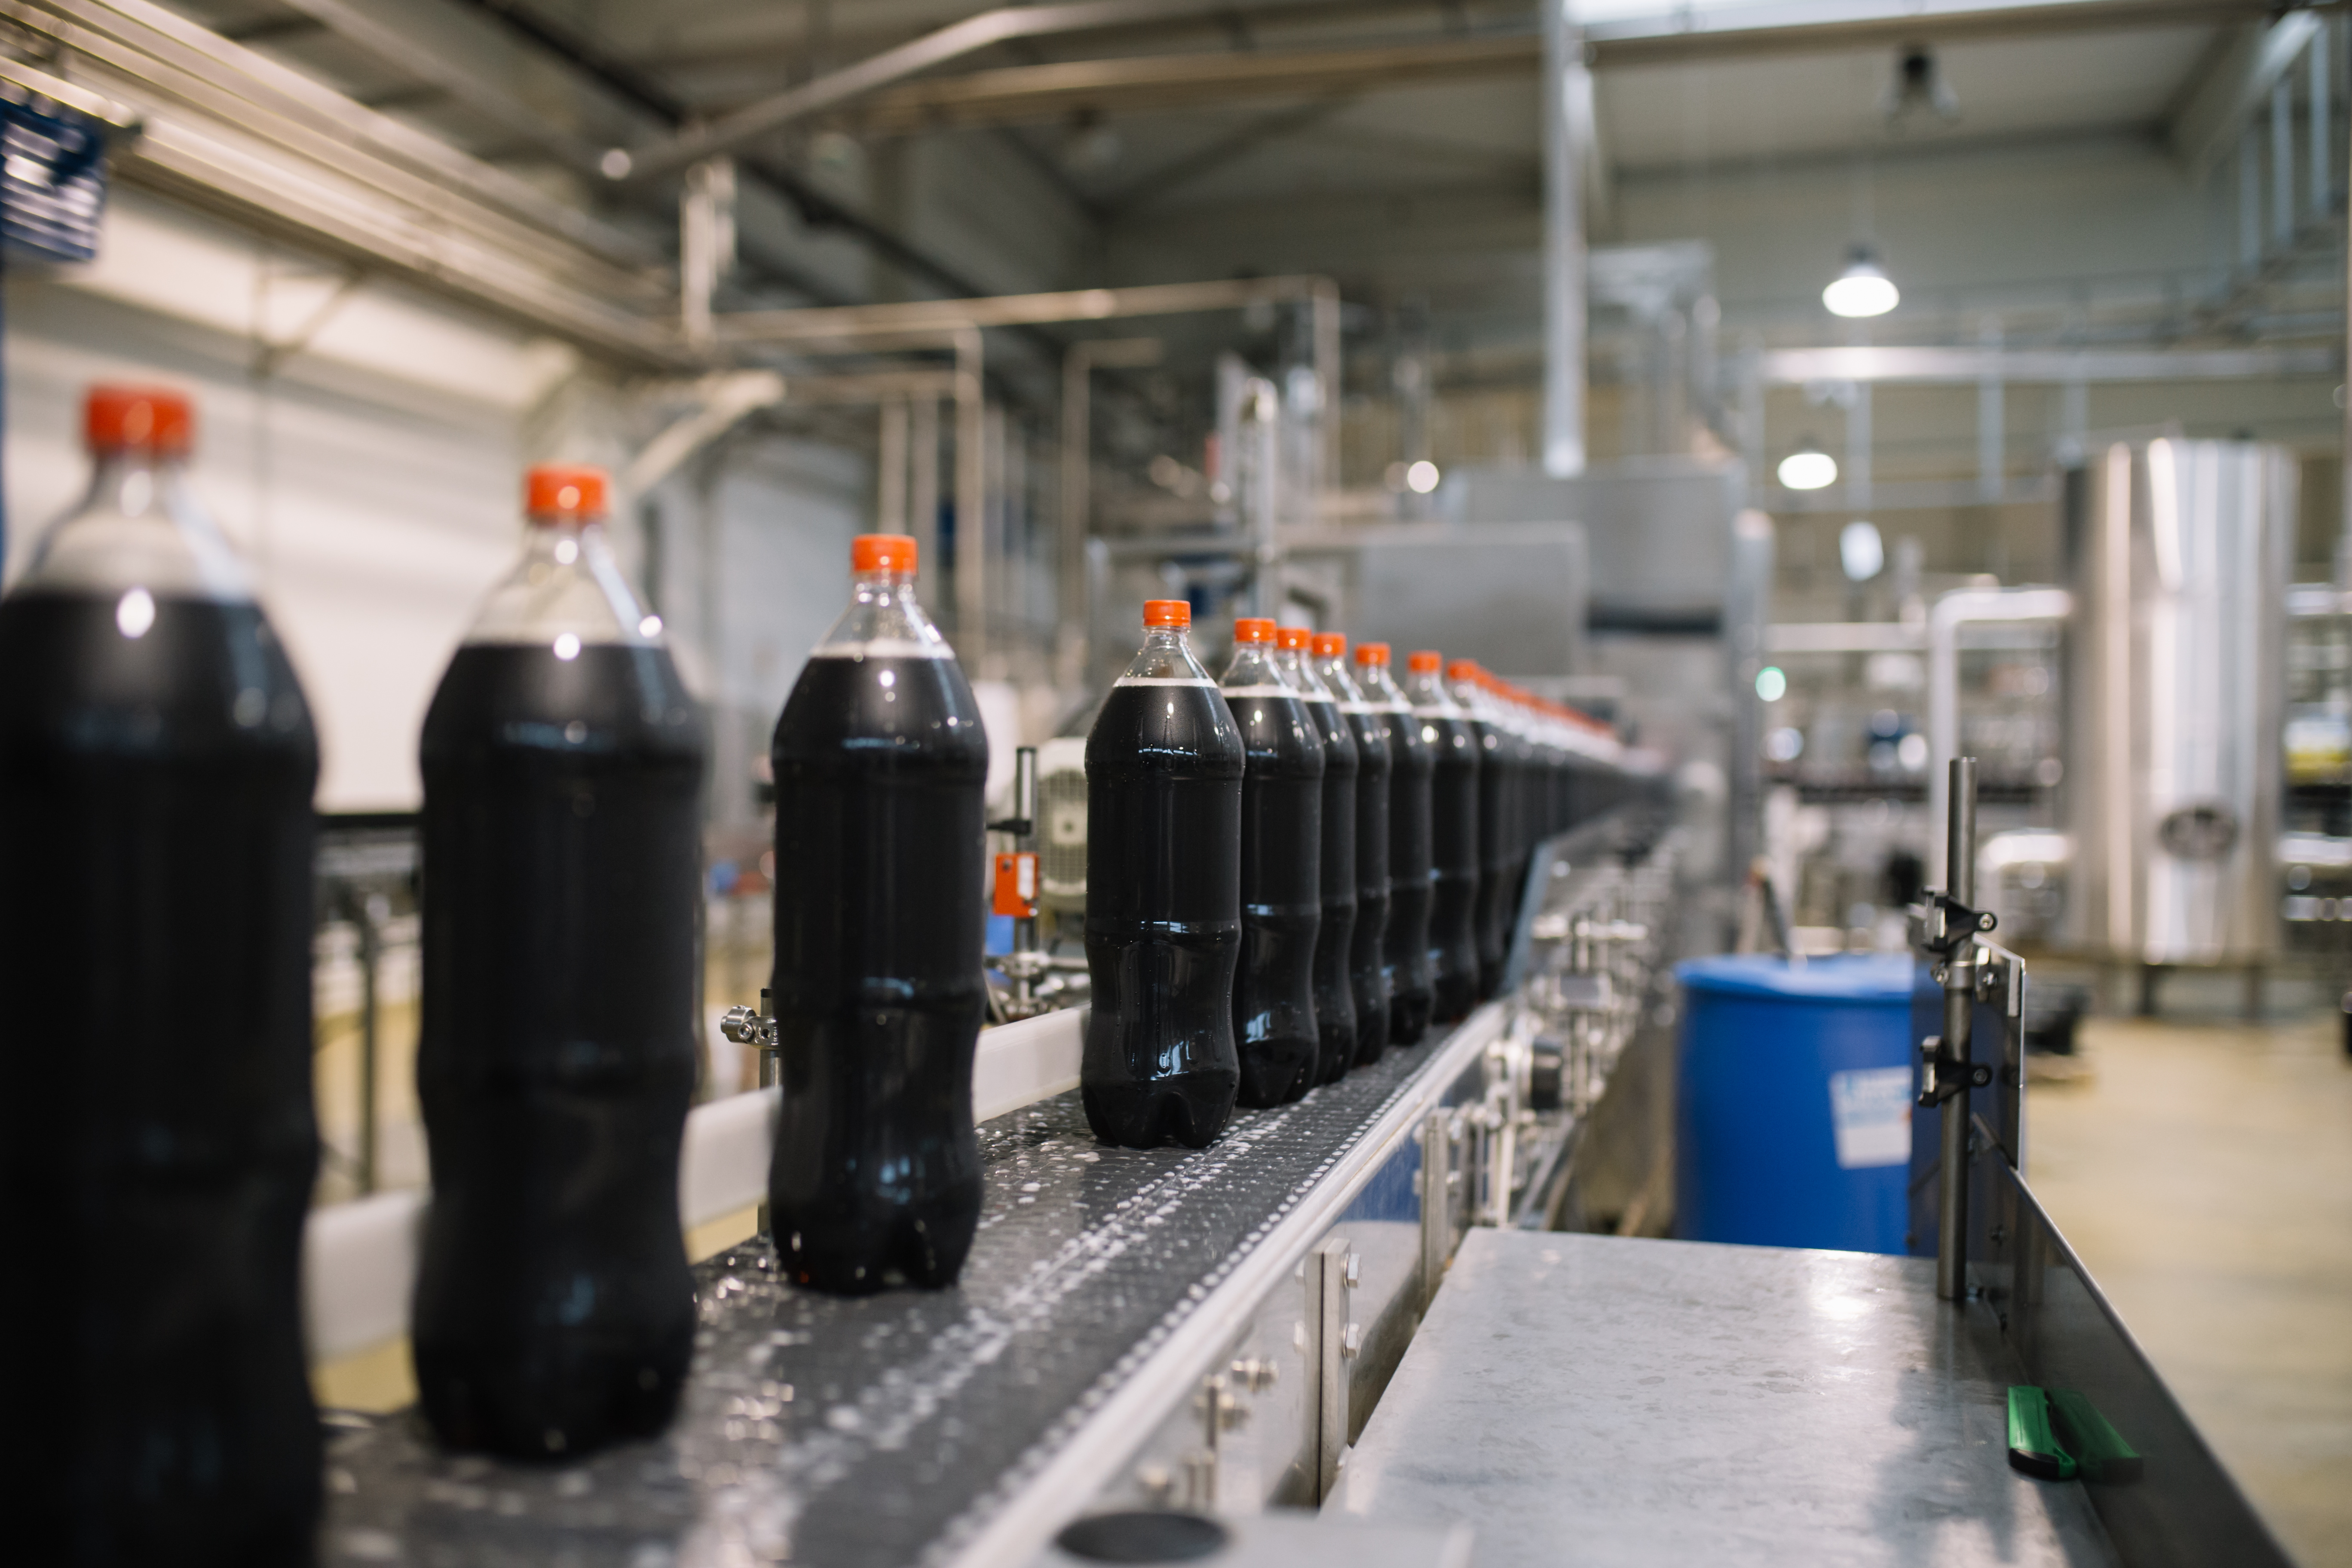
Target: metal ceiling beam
pixel 642 94
pixel 228 130
pixel 2215 110
pixel 496 102
pixel 835 89
pixel 1155 83
pixel 1792 367
pixel 853 325
pixel 1816 26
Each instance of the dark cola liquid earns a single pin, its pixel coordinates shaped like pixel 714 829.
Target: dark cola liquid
pixel 881 834
pixel 1335 1000
pixel 1163 915
pixel 1453 843
pixel 1282 897
pixel 556 1057
pixel 1497 825
pixel 1413 764
pixel 1367 975
pixel 156 1139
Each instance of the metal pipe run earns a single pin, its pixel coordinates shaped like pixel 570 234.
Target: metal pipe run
pixel 1959 979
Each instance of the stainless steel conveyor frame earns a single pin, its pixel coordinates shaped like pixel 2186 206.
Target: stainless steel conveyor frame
pixel 1196 1327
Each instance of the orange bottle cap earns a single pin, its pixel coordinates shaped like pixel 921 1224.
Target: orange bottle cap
pixel 894 552
pixel 1464 669
pixel 1330 644
pixel 1176 612
pixel 138 419
pixel 1252 628
pixel 1370 653
pixel 1292 637
pixel 1422 660
pixel 564 492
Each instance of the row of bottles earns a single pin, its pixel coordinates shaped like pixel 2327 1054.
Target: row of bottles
pixel 1289 871
pixel 157 1150
pixel 1298 865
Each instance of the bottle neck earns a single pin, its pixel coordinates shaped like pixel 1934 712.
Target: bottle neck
pixel 138 525
pixel 1254 664
pixel 1427 689
pixel 1165 654
pixel 883 587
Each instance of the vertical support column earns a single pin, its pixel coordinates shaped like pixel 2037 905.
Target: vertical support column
pixel 1751 416
pixel 890 468
pixel 1077 498
pixel 971 502
pixel 2249 203
pixel 1992 413
pixel 2323 118
pixel 2344 535
pixel 2282 162
pixel 1329 369
pixel 1260 481
pixel 706 243
pixel 1568 110
pixel 1857 448
pixel 923 493
pixel 1960 1011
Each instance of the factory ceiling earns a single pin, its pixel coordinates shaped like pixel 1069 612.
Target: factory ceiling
pixel 1187 138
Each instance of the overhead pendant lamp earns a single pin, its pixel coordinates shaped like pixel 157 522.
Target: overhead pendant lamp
pixel 1808 467
pixel 1862 289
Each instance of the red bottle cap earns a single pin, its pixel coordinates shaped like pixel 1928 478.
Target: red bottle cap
pixel 1371 653
pixel 1424 661
pixel 138 419
pixel 1176 612
pixel 1330 644
pixel 1252 628
pixel 1292 637
pixel 1465 669
pixel 564 492
pixel 893 553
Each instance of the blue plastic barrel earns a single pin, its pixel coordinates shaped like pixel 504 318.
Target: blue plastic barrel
pixel 1792 1122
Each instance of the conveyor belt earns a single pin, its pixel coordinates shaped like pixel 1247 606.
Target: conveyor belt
pixel 894 1429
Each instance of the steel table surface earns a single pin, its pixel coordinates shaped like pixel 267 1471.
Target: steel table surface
pixel 1586 1399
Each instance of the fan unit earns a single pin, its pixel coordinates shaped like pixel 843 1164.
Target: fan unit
pixel 1062 825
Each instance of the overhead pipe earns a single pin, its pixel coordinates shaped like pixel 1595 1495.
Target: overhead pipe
pixel 1966 607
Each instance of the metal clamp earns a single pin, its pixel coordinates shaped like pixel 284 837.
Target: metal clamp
pixel 1952 925
pixel 1947 1073
pixel 756 1028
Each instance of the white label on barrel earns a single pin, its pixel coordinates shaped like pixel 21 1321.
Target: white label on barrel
pixel 1870 1110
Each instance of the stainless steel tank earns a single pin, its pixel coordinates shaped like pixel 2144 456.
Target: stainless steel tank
pixel 2179 555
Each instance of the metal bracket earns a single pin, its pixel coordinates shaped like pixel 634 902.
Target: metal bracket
pixel 757 1029
pixel 1333 1270
pixel 1436 1181
pixel 1951 924
pixel 1947 1073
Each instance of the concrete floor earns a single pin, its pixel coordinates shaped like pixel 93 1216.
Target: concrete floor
pixel 2203 1171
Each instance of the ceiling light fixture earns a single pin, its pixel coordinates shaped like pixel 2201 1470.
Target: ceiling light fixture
pixel 1862 289
pixel 1808 467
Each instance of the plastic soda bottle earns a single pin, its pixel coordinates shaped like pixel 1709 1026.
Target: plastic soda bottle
pixel 881 769
pixel 1164 767
pixel 1453 840
pixel 1334 999
pixel 1368 978
pixel 563 864
pixel 1413 760
pixel 1282 851
pixel 1497 820
pixel 157 1143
